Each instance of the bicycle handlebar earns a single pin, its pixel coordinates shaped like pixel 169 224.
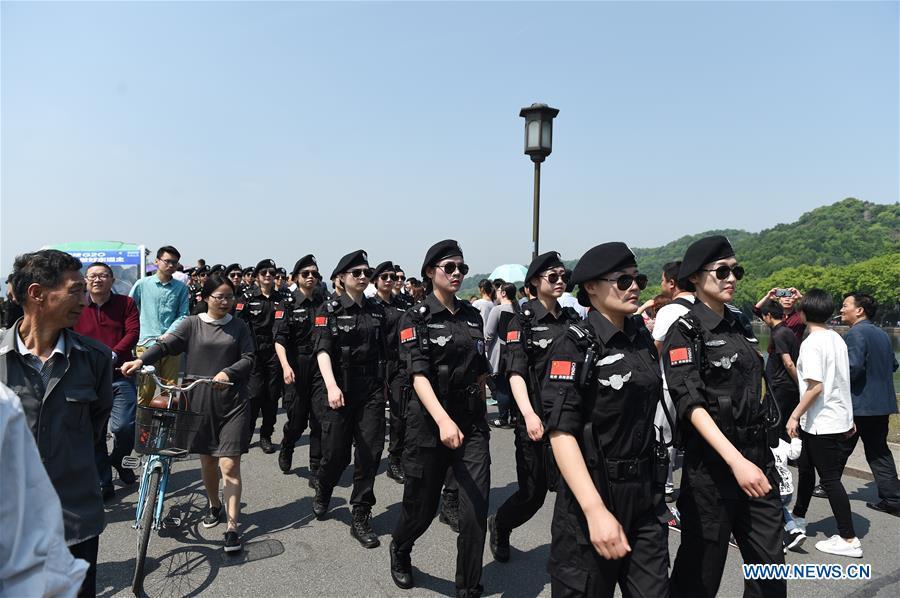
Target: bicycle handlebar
pixel 151 371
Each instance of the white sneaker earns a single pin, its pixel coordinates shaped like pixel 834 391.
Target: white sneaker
pixel 800 522
pixel 839 546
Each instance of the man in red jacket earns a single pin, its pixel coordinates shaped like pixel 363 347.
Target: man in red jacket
pixel 114 321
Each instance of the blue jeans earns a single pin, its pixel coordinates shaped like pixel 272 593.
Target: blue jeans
pixel 503 395
pixel 121 425
pixel 789 523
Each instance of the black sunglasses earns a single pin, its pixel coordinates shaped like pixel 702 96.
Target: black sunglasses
pixel 722 272
pixel 268 272
pixel 553 277
pixel 624 282
pixel 361 273
pixel 451 267
pixel 401 278
pixel 387 277
pixel 309 273
pixel 234 275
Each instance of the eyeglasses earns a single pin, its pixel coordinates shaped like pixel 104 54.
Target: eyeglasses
pixel 222 298
pixel 268 272
pixel 387 277
pixel 93 277
pixel 722 272
pixel 309 273
pixel 451 267
pixel 172 263
pixel 553 277
pixel 624 282
pixel 361 272
pixel 234 275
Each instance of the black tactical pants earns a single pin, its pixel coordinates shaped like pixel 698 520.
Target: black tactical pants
pixel 425 463
pixel 264 387
pixel 577 569
pixel 396 401
pixel 707 521
pixel 300 413
pixel 532 476
pixel 361 422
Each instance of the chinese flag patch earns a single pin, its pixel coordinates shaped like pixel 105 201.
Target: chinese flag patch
pixel 680 356
pixel 562 370
pixel 279 314
pixel 321 320
pixel 407 335
pixel 239 307
pixel 512 336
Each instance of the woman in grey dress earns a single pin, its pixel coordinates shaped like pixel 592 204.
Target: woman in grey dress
pixel 218 346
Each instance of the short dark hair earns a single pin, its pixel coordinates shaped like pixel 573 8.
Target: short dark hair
pixel 570 286
pixel 866 301
pixel 498 282
pixel 670 271
pixel 487 287
pixel 104 264
pixel 45 267
pixel 167 249
pixel 772 308
pixel 817 306
pixel 213 282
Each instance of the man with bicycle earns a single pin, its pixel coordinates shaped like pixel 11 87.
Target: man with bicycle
pixel 64 381
pixel 163 303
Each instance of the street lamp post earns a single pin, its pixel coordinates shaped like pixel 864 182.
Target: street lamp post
pixel 538 145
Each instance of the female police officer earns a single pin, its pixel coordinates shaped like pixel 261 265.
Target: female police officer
pixel 529 337
pixel 348 393
pixel 714 373
pixel 599 397
pixel 442 341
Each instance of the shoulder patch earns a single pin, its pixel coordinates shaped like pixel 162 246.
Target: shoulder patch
pixel 407 335
pixel 321 321
pixel 513 336
pixel 562 370
pixel 681 356
pixel 279 314
pixel 239 307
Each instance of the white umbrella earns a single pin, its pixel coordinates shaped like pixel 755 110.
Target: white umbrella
pixel 509 273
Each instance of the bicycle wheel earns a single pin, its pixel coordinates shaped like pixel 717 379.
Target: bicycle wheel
pixel 146 529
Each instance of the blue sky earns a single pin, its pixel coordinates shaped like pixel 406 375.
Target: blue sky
pixel 238 131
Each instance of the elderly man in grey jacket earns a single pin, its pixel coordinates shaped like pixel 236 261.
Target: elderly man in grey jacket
pixel 64 381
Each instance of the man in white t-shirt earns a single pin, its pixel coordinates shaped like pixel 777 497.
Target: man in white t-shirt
pixel 666 316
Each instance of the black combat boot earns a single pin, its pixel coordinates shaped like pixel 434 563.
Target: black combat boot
pixel 401 567
pixel 395 472
pixel 450 510
pixel 265 443
pixel 285 456
pixel 320 503
pixel 361 529
pixel 499 540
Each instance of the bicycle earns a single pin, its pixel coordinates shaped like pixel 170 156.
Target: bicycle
pixel 164 430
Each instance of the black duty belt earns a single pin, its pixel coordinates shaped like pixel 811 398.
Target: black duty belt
pixel 623 470
pixel 749 436
pixel 368 370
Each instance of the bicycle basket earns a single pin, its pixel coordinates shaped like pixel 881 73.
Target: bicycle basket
pixel 156 430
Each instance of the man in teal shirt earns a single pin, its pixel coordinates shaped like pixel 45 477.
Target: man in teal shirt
pixel 163 303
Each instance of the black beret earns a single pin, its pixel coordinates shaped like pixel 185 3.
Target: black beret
pixel 383 267
pixel 282 271
pixel 217 268
pixel 397 268
pixel 203 270
pixel 190 271
pixel 703 251
pixel 354 258
pixel 306 260
pixel 232 267
pixel 247 270
pixel 602 259
pixel 263 264
pixel 439 251
pixel 542 263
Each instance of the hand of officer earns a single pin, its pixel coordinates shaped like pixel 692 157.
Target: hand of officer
pixel 130 367
pixel 335 397
pixel 288 375
pixel 751 479
pixel 451 436
pixel 534 427
pixel 607 535
pixel 220 380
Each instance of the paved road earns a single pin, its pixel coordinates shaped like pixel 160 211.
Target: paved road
pixel 289 553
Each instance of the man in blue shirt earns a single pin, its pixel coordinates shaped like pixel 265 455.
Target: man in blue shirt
pixel 872 364
pixel 163 303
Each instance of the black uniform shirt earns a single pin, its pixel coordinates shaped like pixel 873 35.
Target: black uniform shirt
pixel 294 330
pixel 393 311
pixel 546 329
pixel 619 399
pixel 260 313
pixel 734 371
pixel 342 323
pixel 453 340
